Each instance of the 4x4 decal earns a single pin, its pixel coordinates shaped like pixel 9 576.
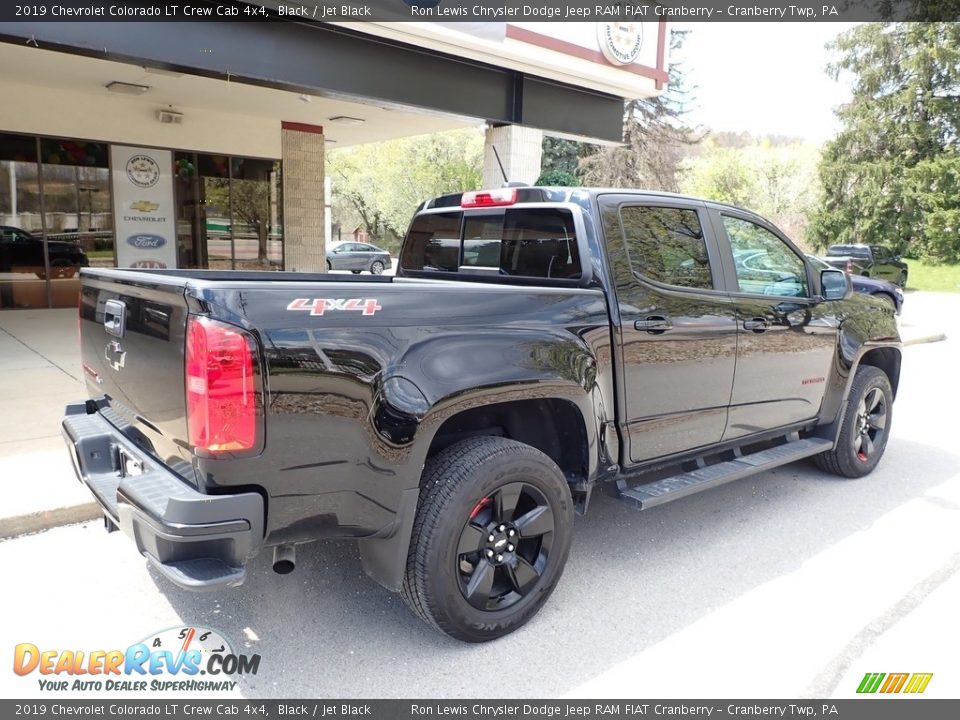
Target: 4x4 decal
pixel 318 306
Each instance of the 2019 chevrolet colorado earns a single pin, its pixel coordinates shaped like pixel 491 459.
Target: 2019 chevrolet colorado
pixel 535 346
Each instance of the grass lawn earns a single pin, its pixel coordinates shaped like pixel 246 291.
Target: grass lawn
pixel 939 278
pixel 100 254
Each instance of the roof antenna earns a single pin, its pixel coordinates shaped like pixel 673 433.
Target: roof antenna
pixel 502 171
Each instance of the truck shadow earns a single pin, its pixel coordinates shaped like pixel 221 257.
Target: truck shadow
pixel 633 579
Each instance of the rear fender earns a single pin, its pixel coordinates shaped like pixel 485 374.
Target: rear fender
pixel 468 377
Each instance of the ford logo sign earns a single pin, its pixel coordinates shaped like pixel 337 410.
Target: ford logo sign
pixel 146 242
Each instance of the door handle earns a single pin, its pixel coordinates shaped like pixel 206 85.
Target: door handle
pixel 654 324
pixel 758 325
pixel 114 317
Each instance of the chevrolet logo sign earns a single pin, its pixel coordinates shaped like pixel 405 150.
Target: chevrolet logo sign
pixel 144 206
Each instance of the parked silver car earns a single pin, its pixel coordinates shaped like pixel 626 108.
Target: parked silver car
pixel 358 256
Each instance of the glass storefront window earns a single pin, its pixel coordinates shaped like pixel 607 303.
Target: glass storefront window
pixel 56 215
pixel 79 221
pixel 257 242
pixel 228 215
pixel 22 268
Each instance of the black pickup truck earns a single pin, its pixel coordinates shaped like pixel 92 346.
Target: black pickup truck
pixel 537 345
pixel 873 261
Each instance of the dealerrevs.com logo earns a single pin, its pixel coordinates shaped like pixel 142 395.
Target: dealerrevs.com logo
pixel 180 659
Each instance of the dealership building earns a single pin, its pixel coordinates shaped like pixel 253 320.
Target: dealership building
pixel 202 144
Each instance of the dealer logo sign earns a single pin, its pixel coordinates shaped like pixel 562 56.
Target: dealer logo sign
pixel 178 659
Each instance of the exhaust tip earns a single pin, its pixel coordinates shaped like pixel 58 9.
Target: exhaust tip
pixel 284 559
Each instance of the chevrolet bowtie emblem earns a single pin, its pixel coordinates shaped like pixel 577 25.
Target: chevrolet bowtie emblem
pixel 115 355
pixel 144 206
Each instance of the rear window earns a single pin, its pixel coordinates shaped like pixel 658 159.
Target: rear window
pixel 433 243
pixel 524 242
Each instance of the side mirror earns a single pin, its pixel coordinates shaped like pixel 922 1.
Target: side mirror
pixel 835 284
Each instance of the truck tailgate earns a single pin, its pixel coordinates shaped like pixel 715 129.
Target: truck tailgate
pixel 132 332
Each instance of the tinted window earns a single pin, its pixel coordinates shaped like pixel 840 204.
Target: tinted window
pixel 535 242
pixel 433 243
pixel 482 235
pixel 666 245
pixel 765 264
pixel 539 243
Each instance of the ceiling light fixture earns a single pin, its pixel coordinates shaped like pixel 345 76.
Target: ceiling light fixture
pixel 125 88
pixel 345 120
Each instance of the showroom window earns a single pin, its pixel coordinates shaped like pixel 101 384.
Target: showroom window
pixel 55 214
pixel 229 212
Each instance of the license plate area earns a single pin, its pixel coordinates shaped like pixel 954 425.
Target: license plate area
pixel 128 465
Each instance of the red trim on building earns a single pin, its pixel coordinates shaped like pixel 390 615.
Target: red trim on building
pixel 595 56
pixel 302 127
pixel 661 54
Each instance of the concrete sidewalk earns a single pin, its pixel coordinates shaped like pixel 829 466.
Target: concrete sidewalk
pixel 40 372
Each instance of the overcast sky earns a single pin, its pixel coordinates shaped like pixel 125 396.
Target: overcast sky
pixel 764 78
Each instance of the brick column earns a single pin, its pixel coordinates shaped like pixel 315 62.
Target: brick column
pixel 520 150
pixel 303 198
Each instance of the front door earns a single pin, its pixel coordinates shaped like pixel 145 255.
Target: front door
pixel 678 330
pixel 787 338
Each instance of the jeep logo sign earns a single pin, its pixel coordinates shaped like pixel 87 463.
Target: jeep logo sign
pixel 146 242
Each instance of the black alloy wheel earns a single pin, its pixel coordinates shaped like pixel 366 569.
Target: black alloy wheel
pixel 490 540
pixel 505 546
pixel 871 425
pixel 865 427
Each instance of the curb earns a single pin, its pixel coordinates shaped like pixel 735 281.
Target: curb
pixel 34 522
pixel 936 337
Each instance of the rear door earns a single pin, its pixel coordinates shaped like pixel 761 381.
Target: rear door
pixel 678 329
pixel 787 338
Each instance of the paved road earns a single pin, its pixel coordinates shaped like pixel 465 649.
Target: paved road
pixel 787 584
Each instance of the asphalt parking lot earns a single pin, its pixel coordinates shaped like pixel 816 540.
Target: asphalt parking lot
pixel 788 584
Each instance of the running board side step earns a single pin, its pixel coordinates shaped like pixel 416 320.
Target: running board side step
pixel 678 486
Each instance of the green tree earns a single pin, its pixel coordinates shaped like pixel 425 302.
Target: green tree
pixel 776 178
pixel 655 136
pixel 560 155
pixel 382 183
pixel 889 177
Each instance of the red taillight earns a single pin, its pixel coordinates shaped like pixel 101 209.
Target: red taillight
pixel 488 198
pixel 221 397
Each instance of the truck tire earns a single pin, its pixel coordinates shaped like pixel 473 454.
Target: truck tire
pixel 866 426
pixel 490 540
